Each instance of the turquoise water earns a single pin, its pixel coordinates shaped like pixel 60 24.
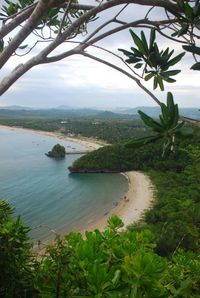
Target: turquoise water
pixel 44 192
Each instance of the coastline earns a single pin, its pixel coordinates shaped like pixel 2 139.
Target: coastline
pixel 131 206
pixel 88 143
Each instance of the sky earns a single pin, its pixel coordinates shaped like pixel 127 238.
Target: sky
pixel 80 82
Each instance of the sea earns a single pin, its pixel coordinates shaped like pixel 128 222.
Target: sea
pixel 42 190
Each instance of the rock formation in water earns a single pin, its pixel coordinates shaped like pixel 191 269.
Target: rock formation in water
pixel 57 151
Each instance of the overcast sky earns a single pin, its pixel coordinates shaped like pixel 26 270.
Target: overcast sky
pixel 81 82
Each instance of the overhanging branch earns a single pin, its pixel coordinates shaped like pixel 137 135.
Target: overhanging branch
pixel 123 72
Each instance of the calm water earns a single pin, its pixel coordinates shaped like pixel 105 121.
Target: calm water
pixel 44 192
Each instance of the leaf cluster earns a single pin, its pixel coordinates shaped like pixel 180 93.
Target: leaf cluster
pixel 154 62
pixel 188 18
pixel 166 129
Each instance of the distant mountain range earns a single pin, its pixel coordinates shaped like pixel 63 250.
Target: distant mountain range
pixel 155 111
pixel 65 111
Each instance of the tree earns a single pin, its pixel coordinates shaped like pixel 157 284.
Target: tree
pixel 16 260
pixel 53 23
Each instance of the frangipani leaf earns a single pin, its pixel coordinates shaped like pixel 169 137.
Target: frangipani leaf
pixel 196 66
pixel 193 49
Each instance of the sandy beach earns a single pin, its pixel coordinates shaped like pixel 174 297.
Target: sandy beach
pixel 131 206
pixel 88 143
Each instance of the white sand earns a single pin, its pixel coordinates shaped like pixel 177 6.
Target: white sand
pixel 89 143
pixel 131 207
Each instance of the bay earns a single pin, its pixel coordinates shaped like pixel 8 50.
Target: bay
pixel 43 191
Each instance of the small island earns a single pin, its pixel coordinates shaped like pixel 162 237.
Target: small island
pixel 58 151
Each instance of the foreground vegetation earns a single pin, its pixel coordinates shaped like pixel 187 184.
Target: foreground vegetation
pixel 156 257
pixel 107 264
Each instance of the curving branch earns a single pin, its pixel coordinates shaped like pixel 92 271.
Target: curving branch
pixel 125 73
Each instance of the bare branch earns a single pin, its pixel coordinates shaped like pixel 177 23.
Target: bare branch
pixel 169 37
pixel 125 73
pixel 117 56
pixel 140 23
pixel 64 16
pixel 16 74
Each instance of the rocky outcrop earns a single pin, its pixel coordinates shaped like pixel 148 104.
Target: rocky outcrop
pixel 58 151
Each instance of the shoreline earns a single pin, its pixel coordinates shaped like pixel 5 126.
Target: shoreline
pixel 131 207
pixel 88 143
pixel 133 203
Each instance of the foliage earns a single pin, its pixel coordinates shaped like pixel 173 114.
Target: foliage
pixel 108 130
pixel 166 129
pixel 175 214
pixel 16 261
pixel 113 264
pixel 120 157
pixel 154 63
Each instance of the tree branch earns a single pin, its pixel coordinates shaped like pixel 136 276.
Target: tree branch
pixel 24 32
pixel 125 73
pixel 138 23
pixel 18 19
pixel 37 14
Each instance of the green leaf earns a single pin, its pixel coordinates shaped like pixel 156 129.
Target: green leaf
pixel 132 60
pixel 138 65
pixel 149 76
pixel 144 41
pixel 183 30
pixel 125 52
pixel 167 74
pixel 192 48
pixel 138 42
pixel 170 80
pixel 170 101
pixel 150 122
pixel 174 34
pixel 23 47
pixel 114 222
pixel 196 66
pixel 155 83
pixel 160 83
pixel 174 60
pixel 188 11
pixel 116 277
pixel 152 39
pixel 165 112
